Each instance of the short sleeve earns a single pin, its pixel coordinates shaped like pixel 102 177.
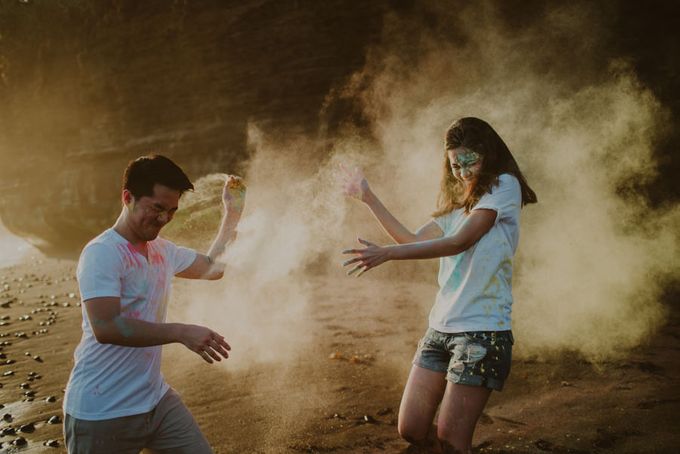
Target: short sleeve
pixel 444 222
pixel 505 199
pixel 99 272
pixel 183 258
pixel 180 258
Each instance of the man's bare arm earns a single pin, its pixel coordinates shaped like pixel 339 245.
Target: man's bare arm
pixel 110 327
pixel 206 266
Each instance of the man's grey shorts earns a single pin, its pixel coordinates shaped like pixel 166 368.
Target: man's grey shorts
pixel 168 428
pixel 476 358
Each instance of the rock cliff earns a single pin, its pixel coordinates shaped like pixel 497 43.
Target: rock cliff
pixel 86 86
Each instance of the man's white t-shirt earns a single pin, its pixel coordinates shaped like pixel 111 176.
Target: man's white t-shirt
pixel 111 381
pixel 475 286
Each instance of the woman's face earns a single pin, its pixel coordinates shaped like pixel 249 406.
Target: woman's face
pixel 465 164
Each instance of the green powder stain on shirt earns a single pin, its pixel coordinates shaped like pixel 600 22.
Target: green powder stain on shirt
pixel 493 287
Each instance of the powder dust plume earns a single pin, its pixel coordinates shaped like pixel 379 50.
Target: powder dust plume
pixel 13 248
pixel 293 217
pixel 290 232
pixel 593 256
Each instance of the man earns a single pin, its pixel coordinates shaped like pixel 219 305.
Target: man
pixel 117 400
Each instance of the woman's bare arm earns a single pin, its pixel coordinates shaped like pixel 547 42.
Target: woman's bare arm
pixel 356 186
pixel 478 223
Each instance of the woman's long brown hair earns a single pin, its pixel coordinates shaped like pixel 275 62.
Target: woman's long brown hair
pixel 478 136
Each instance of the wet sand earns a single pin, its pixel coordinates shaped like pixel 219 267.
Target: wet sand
pixel 340 393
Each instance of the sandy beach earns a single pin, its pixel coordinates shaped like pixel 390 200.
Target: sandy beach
pixel 340 392
pixel 585 96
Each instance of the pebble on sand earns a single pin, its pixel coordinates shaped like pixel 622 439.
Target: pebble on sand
pixel 27 428
pixel 367 419
pixel 54 420
pixel 21 441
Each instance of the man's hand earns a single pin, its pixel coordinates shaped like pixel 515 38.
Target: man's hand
pixel 204 342
pixel 234 196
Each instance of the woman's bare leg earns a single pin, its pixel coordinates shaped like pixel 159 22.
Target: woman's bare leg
pixel 461 407
pixel 422 394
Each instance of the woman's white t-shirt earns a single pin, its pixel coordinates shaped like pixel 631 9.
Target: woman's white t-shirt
pixel 475 286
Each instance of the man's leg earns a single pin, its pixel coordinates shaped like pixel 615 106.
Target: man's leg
pixel 174 430
pixel 125 435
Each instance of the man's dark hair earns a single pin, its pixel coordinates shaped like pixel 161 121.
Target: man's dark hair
pixel 144 172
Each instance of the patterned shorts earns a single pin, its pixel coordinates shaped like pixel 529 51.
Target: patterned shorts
pixel 476 358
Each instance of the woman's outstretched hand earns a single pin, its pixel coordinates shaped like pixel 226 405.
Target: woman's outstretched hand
pixel 354 183
pixel 369 257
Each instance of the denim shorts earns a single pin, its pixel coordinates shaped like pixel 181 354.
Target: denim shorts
pixel 476 358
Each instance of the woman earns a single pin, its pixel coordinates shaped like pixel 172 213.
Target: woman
pixel 467 348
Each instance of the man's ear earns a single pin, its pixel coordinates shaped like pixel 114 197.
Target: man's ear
pixel 127 197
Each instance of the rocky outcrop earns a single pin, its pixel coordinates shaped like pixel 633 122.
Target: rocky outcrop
pixel 86 86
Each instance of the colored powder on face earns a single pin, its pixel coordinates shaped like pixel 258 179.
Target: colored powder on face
pixel 467 159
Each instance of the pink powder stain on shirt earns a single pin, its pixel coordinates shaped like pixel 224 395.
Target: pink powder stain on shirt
pixel 131 258
pixel 135 256
pixel 158 294
pixel 158 276
pixel 133 314
pixel 155 256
